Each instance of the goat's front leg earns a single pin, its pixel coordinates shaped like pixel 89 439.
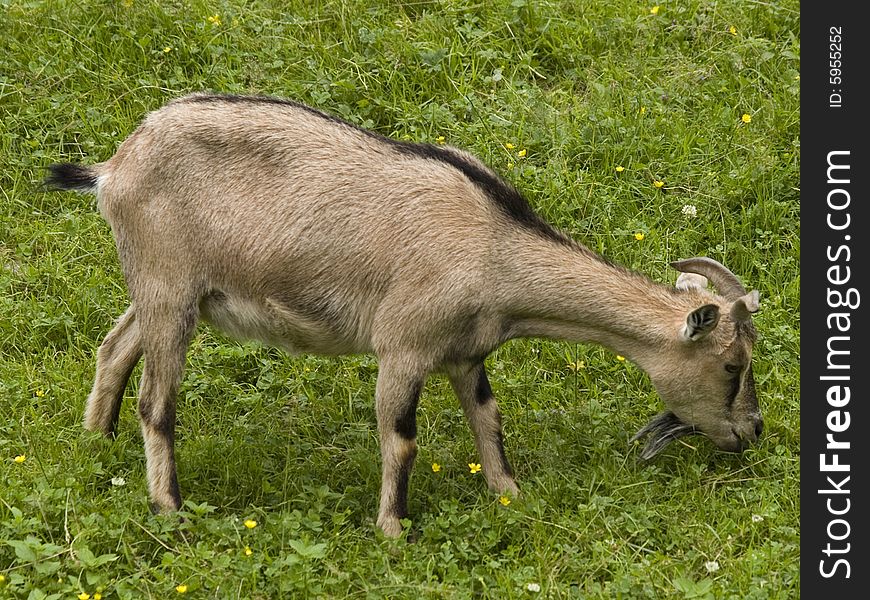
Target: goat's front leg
pixel 166 333
pixel 472 388
pixel 398 390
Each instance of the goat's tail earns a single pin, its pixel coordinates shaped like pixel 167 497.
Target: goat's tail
pixel 72 176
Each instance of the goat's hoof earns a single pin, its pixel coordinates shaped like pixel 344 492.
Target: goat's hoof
pixel 506 486
pixel 390 526
pixel 159 508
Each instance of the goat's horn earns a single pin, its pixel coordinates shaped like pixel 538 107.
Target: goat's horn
pixel 724 280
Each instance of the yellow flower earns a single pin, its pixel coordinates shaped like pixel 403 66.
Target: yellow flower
pixel 659 184
pixel 214 20
pixel 20 458
pixel 521 153
pixel 83 596
pixel 620 169
pixel 639 236
pixel 504 500
pixel 746 118
pixel 167 49
pixel 181 588
pixel 642 109
pixel 732 30
pixel 40 393
pixel 248 551
pixel 2 578
pixel 509 146
pixel 436 467
pixel 577 366
pixel 440 139
pixel 98 596
pixel 620 358
pixel 474 467
pixel 250 523
pixel 654 10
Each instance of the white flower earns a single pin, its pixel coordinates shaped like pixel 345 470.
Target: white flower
pixel 757 518
pixel 533 587
pixel 118 481
pixel 712 566
pixel 690 210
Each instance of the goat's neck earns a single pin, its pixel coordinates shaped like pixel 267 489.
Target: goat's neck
pixel 568 293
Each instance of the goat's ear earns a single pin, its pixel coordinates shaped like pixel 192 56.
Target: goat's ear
pixel 701 322
pixel 744 306
pixel 688 281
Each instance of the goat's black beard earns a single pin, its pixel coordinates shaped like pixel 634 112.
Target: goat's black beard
pixel 662 429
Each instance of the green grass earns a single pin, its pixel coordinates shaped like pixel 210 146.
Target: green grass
pixel 582 87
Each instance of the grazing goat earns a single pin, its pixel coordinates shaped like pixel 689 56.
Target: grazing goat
pixel 277 222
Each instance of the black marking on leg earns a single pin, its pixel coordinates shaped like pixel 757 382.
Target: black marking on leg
pixel 483 392
pixel 499 444
pixel 406 423
pixel 403 475
pixel 163 426
pixel 158 415
pixel 174 489
pixel 162 421
pixel 168 436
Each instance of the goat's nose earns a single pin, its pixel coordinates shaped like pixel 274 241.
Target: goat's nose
pixel 759 427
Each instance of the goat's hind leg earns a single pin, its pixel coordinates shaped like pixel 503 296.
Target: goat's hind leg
pixel 117 357
pixel 166 327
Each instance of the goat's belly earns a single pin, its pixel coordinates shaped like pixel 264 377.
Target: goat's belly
pixel 270 322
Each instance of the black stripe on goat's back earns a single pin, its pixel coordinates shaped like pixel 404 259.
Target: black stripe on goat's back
pixel 504 195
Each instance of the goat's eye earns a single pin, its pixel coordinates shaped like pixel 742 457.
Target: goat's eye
pixel 732 368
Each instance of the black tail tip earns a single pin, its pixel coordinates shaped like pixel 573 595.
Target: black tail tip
pixel 70 176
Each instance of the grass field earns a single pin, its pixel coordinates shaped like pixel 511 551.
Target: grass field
pixel 584 106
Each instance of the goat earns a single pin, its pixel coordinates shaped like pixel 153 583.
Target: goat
pixel 277 222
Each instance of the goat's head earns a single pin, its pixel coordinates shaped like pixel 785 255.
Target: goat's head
pixel 705 375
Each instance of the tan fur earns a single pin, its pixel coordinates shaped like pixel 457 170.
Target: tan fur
pixel 116 358
pixel 397 454
pixel 278 224
pixel 159 458
pixel 485 421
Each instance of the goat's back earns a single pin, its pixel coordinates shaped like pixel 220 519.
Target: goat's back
pixel 261 198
